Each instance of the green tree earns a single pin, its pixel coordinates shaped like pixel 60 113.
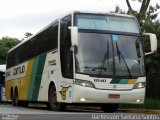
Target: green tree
pixel 6 43
pixel 143 8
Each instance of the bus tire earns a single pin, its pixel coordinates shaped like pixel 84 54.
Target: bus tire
pixel 53 104
pixel 15 101
pixel 11 94
pixel 109 108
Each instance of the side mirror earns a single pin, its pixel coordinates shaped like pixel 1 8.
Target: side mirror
pixel 74 35
pixel 153 42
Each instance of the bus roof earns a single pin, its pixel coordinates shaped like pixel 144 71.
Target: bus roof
pixel 106 13
pixel 2 68
pixel 89 12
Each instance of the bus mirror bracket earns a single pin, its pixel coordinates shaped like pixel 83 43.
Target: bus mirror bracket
pixel 153 42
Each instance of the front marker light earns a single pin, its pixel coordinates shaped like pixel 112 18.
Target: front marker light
pixel 140 85
pixel 82 99
pixel 84 83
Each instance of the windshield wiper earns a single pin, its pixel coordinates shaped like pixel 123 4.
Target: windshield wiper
pixel 120 55
pixel 106 57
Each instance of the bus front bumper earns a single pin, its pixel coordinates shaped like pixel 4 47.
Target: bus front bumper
pixel 91 95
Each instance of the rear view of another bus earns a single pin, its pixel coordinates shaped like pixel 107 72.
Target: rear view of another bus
pixel 2 82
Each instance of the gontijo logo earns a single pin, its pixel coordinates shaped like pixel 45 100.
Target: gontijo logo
pixel 63 92
pixel 19 70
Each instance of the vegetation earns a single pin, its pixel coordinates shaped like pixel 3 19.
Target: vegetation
pixel 6 43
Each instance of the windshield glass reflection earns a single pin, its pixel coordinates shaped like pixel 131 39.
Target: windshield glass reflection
pixel 108 55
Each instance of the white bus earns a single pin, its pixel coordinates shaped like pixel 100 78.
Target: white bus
pixel 2 83
pixel 81 58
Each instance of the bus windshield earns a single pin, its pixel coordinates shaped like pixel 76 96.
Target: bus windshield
pixel 106 22
pixel 109 54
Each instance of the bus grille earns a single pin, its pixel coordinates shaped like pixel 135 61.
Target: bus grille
pixel 114 86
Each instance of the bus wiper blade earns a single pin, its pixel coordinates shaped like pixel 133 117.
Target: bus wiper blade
pixel 106 57
pixel 120 55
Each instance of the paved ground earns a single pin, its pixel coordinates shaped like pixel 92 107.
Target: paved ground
pixel 40 112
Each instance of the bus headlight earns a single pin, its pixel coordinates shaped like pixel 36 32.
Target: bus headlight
pixel 140 85
pixel 84 83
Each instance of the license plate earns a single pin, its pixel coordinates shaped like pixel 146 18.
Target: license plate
pixel 114 96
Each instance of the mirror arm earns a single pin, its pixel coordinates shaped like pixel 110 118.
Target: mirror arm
pixel 148 53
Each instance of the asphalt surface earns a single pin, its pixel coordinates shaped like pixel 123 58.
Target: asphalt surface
pixel 40 112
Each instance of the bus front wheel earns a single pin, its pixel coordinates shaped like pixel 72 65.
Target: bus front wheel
pixel 53 104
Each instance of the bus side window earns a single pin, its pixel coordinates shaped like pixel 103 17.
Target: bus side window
pixel 65 44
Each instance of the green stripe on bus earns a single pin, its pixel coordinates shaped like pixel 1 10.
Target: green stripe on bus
pixel 32 78
pixel 38 77
pixel 115 81
pixel 123 81
pixel 119 81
